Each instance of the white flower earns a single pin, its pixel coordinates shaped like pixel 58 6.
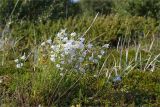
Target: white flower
pixel 43 44
pixel 84 53
pixel 95 76
pixel 69 44
pixel 99 56
pixel 49 41
pixel 73 34
pixel 53 59
pixel 63 30
pixel 53 56
pixel 59 34
pixel 80 45
pixel 81 39
pixel 95 61
pixel 65 39
pixel 102 52
pixel 106 46
pixel 16 60
pixel 117 78
pixel 62 62
pixel 53 47
pixel 81 59
pixel 58 66
pixel 61 69
pixel 61 74
pixel 66 52
pixel 91 58
pixel 39 105
pixel 89 46
pixel 72 52
pixel 23 57
pixel 18 65
pixel 21 64
pixel 76 66
pixel 62 55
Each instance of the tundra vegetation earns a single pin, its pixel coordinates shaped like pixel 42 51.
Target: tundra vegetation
pixel 85 53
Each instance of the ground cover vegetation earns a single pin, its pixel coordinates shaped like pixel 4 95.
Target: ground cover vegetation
pixel 86 53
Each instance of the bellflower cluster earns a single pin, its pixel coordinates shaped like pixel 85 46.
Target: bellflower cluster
pixel 70 51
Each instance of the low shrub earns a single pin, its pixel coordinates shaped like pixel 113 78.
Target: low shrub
pixel 146 8
pixel 106 29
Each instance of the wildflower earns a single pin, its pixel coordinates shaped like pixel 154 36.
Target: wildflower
pixel 95 61
pixel 23 57
pixel 81 59
pixel 102 52
pixel 73 43
pixel 52 55
pixel 68 50
pixel 61 69
pixel 99 56
pixel 117 78
pixel 84 53
pixel 95 76
pixel 19 65
pixel 49 41
pixel 54 47
pixel 69 44
pixel 152 67
pixel 81 39
pixel 63 30
pixel 80 45
pixel 58 66
pixel 52 52
pixel 16 60
pixel 89 46
pixel 65 39
pixel 91 58
pixel 62 55
pixel 73 34
pixel 62 62
pixel 106 46
pixel 61 74
pixel 107 73
pixel 53 59
pixel 59 35
pixel 39 105
pixel 43 44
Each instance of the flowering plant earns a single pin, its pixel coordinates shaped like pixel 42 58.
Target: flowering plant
pixel 71 51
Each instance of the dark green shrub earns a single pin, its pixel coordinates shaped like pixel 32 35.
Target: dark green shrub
pixel 94 6
pixel 105 28
pixel 147 8
pixel 34 10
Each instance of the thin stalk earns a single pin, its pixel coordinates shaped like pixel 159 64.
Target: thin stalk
pixel 151 44
pixel 90 25
pixel 137 51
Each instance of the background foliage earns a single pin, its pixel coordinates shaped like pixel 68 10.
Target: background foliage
pixel 55 9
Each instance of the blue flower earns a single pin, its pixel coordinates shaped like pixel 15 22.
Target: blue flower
pixel 117 78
